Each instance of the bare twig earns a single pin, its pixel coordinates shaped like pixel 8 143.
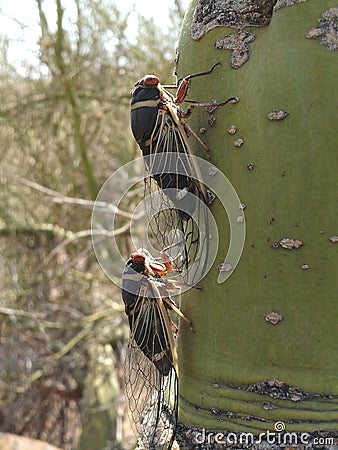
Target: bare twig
pixel 72 201
pixel 40 317
pixel 87 325
pixel 71 236
pixel 20 313
pixel 87 233
pixel 67 348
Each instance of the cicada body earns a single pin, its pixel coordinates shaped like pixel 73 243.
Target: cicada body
pixel 156 123
pixel 151 369
pixel 175 195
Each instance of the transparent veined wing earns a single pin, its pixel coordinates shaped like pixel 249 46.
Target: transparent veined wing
pixel 175 199
pixel 151 364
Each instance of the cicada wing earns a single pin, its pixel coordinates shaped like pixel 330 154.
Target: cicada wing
pixel 175 200
pixel 143 388
pixel 150 377
pixel 169 163
pixel 152 399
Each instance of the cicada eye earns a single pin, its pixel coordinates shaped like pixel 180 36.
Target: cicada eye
pixel 138 257
pixel 150 80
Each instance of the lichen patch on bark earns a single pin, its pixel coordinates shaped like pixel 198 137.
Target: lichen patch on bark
pixel 327 32
pixel 238 43
pixel 238 14
pixel 282 3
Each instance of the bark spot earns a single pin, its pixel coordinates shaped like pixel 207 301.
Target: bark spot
pixel 232 129
pixel 279 389
pixel 212 171
pixel 238 44
pixel 282 3
pixel 239 142
pixel 224 267
pixel 210 14
pixel 211 120
pixel 327 32
pixel 273 317
pixel 277 114
pixel 288 243
pixel 210 197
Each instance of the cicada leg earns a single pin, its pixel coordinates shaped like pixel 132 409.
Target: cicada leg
pixel 198 139
pixel 171 305
pixel 182 85
pixel 211 104
pixel 175 328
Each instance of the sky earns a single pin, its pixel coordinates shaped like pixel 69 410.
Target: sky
pixel 23 40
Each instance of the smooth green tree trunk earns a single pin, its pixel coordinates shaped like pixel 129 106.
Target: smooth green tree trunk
pixel 265 345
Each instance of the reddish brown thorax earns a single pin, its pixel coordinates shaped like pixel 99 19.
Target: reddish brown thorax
pixel 149 80
pixel 160 268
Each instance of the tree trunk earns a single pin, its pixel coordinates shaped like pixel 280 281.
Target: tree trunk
pixel 265 346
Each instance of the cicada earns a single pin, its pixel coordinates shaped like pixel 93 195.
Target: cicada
pixel 161 131
pixel 151 375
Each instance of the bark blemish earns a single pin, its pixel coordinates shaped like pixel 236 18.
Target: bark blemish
pixel 210 197
pixel 238 43
pixel 327 32
pixel 212 171
pixel 237 14
pixel 211 119
pixel 282 3
pixel 239 142
pixel 273 317
pixel 288 243
pixel 224 267
pixel 232 129
pixel 277 114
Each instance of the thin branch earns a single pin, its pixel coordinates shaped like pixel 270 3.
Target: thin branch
pixel 51 228
pixel 66 349
pixel 39 317
pixel 87 233
pixel 59 198
pixel 87 324
pixel 32 100
pixel 20 313
pixel 71 236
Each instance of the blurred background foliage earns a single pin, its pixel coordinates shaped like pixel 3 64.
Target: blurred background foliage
pixel 64 130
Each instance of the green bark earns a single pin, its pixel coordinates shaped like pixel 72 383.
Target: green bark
pixel 290 193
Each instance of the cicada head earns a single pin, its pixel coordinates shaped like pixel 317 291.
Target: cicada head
pixel 148 81
pixel 151 265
